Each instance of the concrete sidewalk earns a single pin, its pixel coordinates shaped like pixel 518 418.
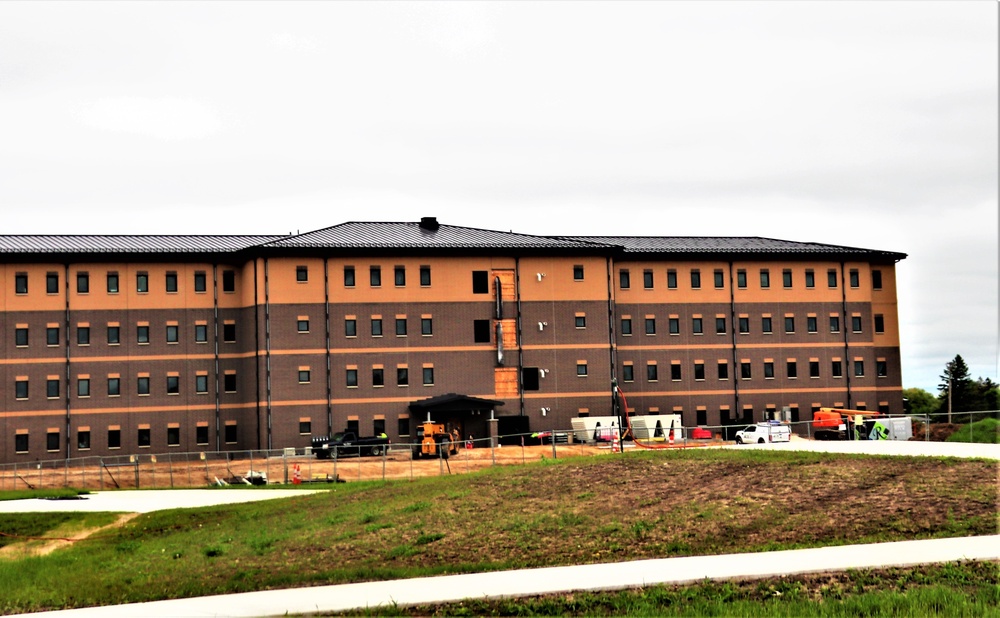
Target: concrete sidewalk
pixel 528 582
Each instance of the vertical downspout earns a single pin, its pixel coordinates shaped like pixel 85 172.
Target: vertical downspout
pixel 520 341
pixel 612 346
pixel 848 366
pixel 329 377
pixel 256 348
pixel 67 369
pixel 215 343
pixel 732 330
pixel 267 347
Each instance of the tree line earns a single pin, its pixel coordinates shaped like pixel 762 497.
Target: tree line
pixel 957 388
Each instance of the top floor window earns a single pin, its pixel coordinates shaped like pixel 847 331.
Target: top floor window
pixel 695 279
pixel 741 278
pixel 647 279
pixel 399 273
pixel 51 283
pixel 349 280
pixel 876 279
pixel 142 282
pixel 672 279
pixel 82 283
pixel 200 282
pixel 302 274
pixel 480 282
pixel 578 272
pixel 810 278
pixel 171 282
pixel 855 278
pixel 229 281
pixel 112 283
pixel 720 279
pixel 786 278
pixel 831 278
pixel 21 283
pixel 425 276
pixel 375 276
pixel 765 278
pixel 624 280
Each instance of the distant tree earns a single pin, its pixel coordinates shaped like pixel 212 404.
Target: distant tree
pixel 967 395
pixel 987 394
pixel 919 401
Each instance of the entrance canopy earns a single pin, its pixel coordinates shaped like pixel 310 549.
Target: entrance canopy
pixel 452 403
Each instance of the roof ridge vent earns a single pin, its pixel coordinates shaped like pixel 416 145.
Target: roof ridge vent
pixel 429 223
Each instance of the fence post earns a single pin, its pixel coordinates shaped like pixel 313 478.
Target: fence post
pixel 66 473
pixel 493 451
pixel 284 464
pixel 385 453
pixel 553 444
pixel 39 476
pixel 335 458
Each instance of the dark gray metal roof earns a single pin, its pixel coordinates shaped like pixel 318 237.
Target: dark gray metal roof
pixel 370 235
pixel 128 244
pixel 730 245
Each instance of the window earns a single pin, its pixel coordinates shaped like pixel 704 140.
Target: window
pixel 580 321
pixel 831 278
pixel 378 376
pixel 765 278
pixel 647 279
pixel 768 370
pixel 696 326
pixel 651 373
pixel 626 326
pixel 376 327
pixel 305 376
pixel 229 332
pixel 400 327
pixel 399 273
pixel 142 334
pixel 628 373
pixel 426 327
pixel 699 371
pixel 114 335
pixel 83 283
pixel 51 283
pixel 720 326
pixel 229 281
pixel 811 324
pixel 83 387
pixel 480 282
pixel 21 443
pixel 201 384
pixel 142 385
pixel 581 369
pixel 305 428
pixel 720 279
pixel 723 370
pixel 83 335
pixel 855 278
pixel 765 324
pixel 402 376
pixel 671 279
pixel 786 278
pixel 143 437
pixel 350 327
pixel 114 438
pixel 83 439
pixel 859 368
pixel 229 434
pixel 173 333
pixel 201 333
pixel 171 283
pixel 21 389
pixel 624 280
pixel 403 425
pixel 52 441
pixel 302 326
pixel 810 278
pixel 674 324
pixel 173 436
pixel 789 324
pixel 879 323
pixel 856 323
pixel 695 279
pixel 200 282
pixel 876 279
pixel 481 331
pixel 52 335
pixel 529 378
pixel 21 337
pixel 650 326
pixel 578 273
pixel 702 416
pixel 675 372
pixel 52 388
pixel 173 385
pixel 745 370
pixel 352 378
pixel 21 287
pixel 837 369
pixel 741 279
pixel 428 376
pixel 744 323
pixel 302 274
pixel 425 276
pixel 229 382
pixel 142 282
pixel 114 387
pixel 834 324
pixel 349 280
pixel 201 434
pixel 881 368
pixel 792 369
pixel 813 369
pixel 375 276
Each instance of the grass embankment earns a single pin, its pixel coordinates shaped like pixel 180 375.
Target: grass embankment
pixel 573 511
pixel 31 494
pixel 984 431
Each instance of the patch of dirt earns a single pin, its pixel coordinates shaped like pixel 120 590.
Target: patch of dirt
pixel 38 547
pixel 940 432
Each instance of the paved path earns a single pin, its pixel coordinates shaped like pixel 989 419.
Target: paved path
pixel 886 447
pixel 614 576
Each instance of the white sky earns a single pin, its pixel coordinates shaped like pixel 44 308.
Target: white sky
pixel 870 124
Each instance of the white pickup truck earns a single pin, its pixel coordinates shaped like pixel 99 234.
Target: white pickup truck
pixel 766 432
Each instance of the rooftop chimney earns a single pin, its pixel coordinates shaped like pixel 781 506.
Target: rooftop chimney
pixel 429 223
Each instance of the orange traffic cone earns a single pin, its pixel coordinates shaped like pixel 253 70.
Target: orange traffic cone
pixel 296 475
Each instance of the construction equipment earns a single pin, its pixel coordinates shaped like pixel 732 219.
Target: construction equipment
pixel 436 441
pixel 841 423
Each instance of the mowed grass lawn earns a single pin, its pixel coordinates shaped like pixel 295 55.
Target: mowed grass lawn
pixel 570 511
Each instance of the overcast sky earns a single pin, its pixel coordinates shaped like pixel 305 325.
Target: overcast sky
pixel 869 124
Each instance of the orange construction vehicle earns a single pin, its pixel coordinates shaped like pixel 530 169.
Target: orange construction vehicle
pixel 840 423
pixel 435 440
